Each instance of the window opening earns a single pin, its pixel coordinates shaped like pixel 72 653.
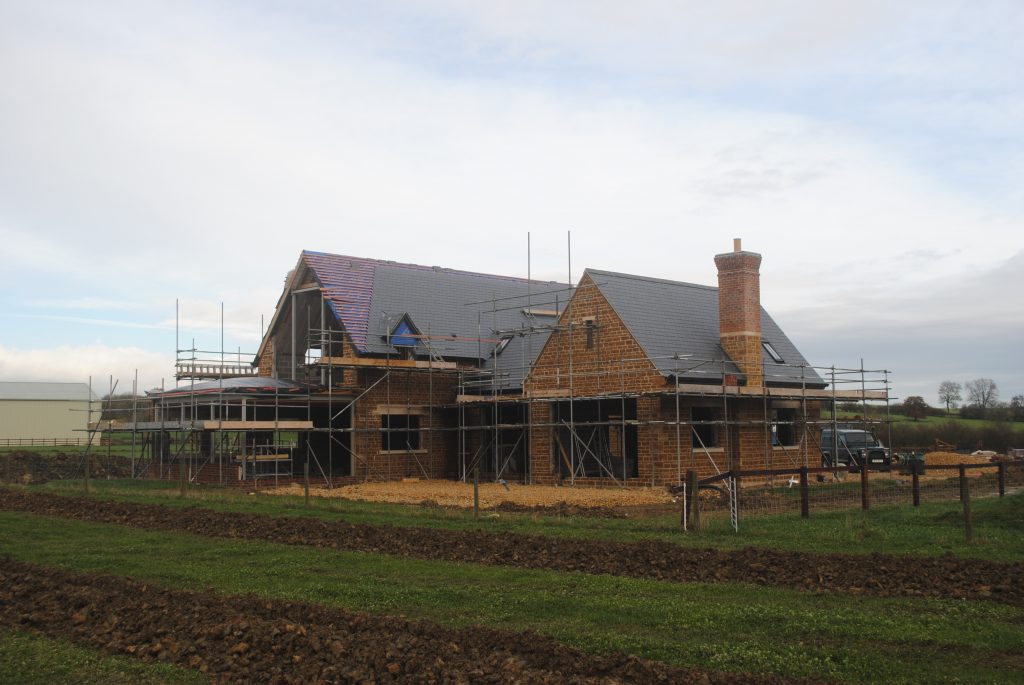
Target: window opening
pixel 704 433
pixel 784 428
pixel 401 432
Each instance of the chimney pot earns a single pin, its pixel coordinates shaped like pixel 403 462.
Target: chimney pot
pixel 737 245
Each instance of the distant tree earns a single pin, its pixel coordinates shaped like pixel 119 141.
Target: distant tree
pixel 949 394
pixel 1017 408
pixel 122 407
pixel 915 407
pixel 1000 411
pixel 982 392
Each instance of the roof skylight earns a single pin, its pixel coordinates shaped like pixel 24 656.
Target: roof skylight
pixel 771 352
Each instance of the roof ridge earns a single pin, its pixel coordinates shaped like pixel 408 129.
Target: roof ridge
pixel 47 382
pixel 652 279
pixel 424 267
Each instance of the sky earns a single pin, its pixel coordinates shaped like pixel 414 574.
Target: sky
pixel 154 153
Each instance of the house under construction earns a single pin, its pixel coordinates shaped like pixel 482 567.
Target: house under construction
pixel 372 369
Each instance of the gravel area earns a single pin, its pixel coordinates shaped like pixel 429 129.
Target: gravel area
pixel 447 493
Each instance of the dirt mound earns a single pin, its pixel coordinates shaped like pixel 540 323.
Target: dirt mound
pixel 33 467
pixel 878 574
pixel 947 458
pixel 253 639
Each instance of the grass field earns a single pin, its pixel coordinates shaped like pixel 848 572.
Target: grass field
pixel 934 528
pixel 878 414
pixel 28 659
pixel 725 626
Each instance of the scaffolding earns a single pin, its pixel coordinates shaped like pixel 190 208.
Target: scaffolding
pixel 306 398
pixel 593 437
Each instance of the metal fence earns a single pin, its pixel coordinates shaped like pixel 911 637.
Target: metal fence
pixel 732 496
pixel 54 442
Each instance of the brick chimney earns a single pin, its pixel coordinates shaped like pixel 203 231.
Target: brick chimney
pixel 739 310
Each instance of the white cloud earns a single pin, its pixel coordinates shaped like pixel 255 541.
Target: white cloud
pixel 152 151
pixel 724 38
pixel 202 319
pixel 86 303
pixel 946 328
pixel 225 160
pixel 73 363
pixel 92 321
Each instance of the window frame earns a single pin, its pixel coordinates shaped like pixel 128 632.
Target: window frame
pixel 703 431
pixel 784 418
pixel 772 352
pixel 407 435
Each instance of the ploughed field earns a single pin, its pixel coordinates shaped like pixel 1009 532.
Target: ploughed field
pixel 878 574
pixel 253 639
pixel 236 596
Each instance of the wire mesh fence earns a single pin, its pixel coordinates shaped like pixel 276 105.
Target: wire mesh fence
pixel 53 442
pixel 728 498
pixel 170 456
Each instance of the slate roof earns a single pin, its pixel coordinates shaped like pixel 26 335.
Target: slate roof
pixel 463 312
pixel 670 318
pixel 454 308
pixel 16 390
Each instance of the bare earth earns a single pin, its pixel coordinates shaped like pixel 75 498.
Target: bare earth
pixel 457 494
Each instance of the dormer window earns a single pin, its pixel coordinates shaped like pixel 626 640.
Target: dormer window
pixel 404 334
pixel 776 357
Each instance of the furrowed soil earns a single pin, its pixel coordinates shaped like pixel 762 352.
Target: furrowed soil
pixel 876 574
pixel 256 640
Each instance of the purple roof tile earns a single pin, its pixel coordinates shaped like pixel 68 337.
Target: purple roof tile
pixel 347 284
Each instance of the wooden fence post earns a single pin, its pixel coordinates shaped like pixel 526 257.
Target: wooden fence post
pixel 181 475
pixel 915 480
pixel 693 487
pixel 865 495
pixel 476 490
pixel 805 503
pixel 305 476
pixel 965 497
pixel 1002 479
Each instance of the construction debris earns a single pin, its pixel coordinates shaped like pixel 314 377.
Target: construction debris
pixel 948 458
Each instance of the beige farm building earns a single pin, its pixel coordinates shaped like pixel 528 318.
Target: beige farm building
pixel 34 411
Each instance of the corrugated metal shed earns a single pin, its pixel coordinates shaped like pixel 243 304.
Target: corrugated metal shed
pixel 44 410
